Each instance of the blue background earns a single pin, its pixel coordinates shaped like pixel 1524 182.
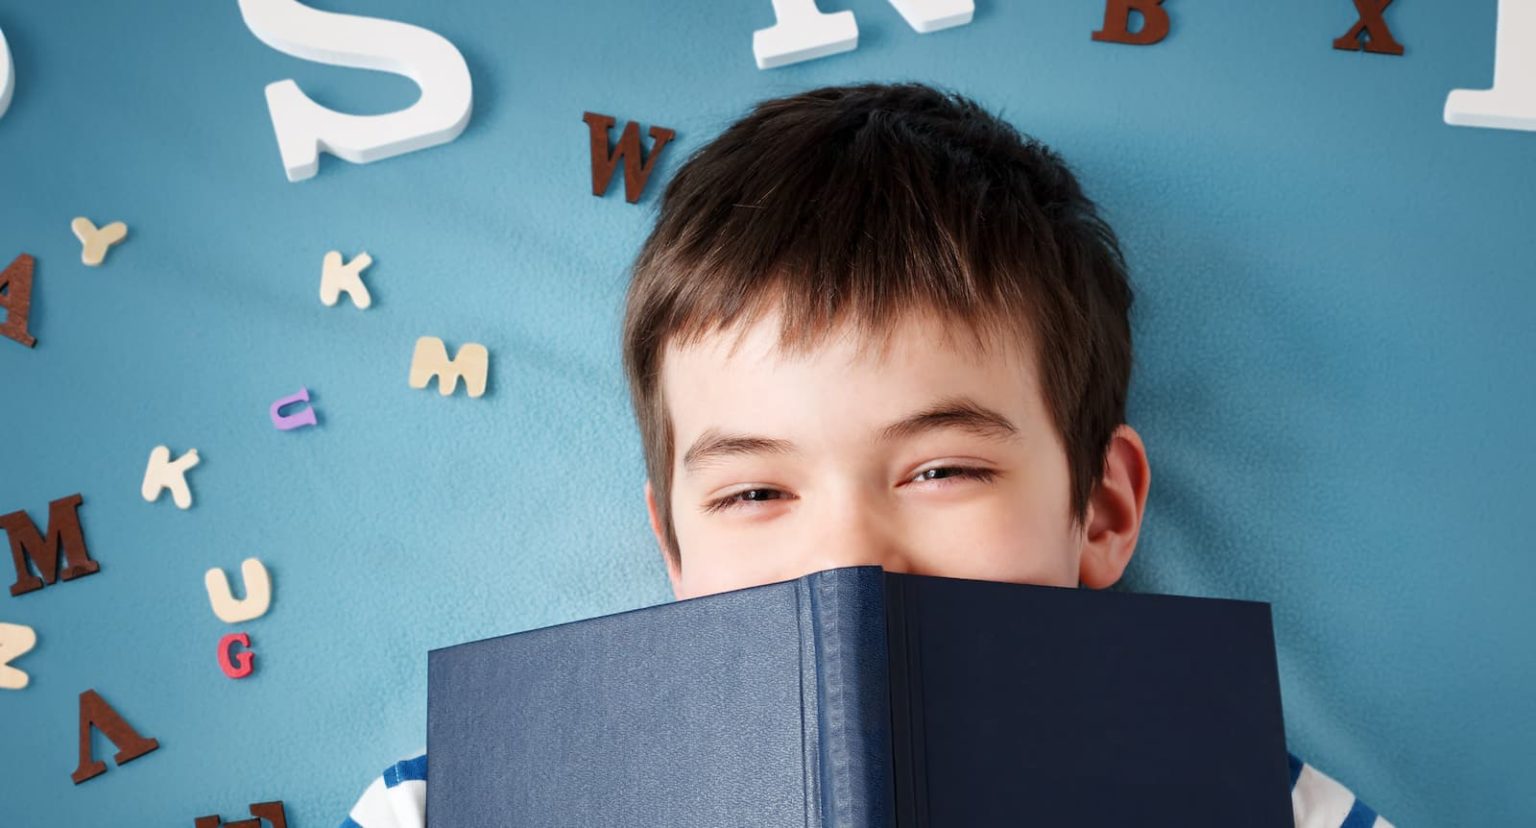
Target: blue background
pixel 1333 331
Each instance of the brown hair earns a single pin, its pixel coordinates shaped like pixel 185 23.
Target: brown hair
pixel 858 203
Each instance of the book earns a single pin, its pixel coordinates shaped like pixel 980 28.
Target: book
pixel 860 698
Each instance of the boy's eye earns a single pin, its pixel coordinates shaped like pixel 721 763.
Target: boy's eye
pixel 973 472
pixel 731 501
pixel 935 473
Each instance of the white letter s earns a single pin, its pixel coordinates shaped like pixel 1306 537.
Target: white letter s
pixel 305 129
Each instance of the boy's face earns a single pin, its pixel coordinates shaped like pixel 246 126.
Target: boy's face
pixel 933 458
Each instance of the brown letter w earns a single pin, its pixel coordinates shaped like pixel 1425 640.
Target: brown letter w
pixel 604 162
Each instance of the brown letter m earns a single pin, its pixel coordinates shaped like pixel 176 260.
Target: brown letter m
pixel 64 535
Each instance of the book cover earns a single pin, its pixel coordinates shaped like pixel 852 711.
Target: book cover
pixel 856 698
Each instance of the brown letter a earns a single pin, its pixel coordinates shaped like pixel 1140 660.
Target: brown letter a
pixel 1117 22
pixel 604 162
pixel 95 712
pixel 64 534
pixel 16 299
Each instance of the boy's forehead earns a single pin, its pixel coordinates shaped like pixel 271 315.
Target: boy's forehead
pixel 744 379
pixel 741 387
pixel 851 343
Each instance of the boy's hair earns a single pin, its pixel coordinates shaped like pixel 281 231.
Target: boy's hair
pixel 858 203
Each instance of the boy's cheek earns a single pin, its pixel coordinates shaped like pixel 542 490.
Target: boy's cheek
pixel 996 545
pixel 724 554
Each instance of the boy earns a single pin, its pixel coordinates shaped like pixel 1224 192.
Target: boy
pixel 875 325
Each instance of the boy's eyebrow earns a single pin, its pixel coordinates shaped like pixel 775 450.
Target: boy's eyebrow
pixel 952 412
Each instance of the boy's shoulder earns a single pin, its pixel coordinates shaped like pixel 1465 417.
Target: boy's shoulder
pixel 398 799
pixel 1319 801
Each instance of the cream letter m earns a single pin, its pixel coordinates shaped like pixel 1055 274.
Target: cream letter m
pixel 431 359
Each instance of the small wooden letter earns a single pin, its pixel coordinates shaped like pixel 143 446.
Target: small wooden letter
pixel 64 535
pixel 1117 22
pixel 95 712
pixel 289 422
pixel 337 278
pixel 431 359
pixel 164 473
pixel 94 242
pixel 1371 24
pixel 258 593
pixel 16 299
pixel 605 162
pixel 16 640
pixel 243 662
pixel 272 812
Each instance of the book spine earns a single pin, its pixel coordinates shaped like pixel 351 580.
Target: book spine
pixel 908 732
pixel 852 697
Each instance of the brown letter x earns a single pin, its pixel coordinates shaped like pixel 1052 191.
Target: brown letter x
pixel 1378 37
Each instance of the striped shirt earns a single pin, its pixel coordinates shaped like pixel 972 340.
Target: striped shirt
pixel 398 799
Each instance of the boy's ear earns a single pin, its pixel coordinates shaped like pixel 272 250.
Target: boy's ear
pixel 1115 510
pixel 674 571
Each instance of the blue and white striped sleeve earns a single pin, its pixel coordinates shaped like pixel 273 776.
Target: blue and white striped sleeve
pixel 1318 801
pixel 396 799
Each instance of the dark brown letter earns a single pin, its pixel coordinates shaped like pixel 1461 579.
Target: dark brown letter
pixel 16 299
pixel 95 712
pixel 1378 37
pixel 604 162
pixel 270 811
pixel 1117 22
pixel 64 535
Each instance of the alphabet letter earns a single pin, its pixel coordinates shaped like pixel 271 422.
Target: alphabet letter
pixel 16 640
pixel 926 16
pixel 258 593
pixel 94 242
pixel 801 31
pixel 7 75
pixel 1378 37
pixel 292 421
pixel 270 811
pixel 1511 103
pixel 242 665
pixel 431 359
pixel 163 473
pixel 1117 22
pixel 336 277
pixel 604 162
pixel 95 712
pixel 64 535
pixel 304 128
pixel 16 298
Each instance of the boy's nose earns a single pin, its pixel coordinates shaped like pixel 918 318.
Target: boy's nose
pixel 863 537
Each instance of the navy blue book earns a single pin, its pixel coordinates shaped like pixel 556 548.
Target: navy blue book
pixel 859 698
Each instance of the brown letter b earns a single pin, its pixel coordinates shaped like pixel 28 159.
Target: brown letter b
pixel 1117 22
